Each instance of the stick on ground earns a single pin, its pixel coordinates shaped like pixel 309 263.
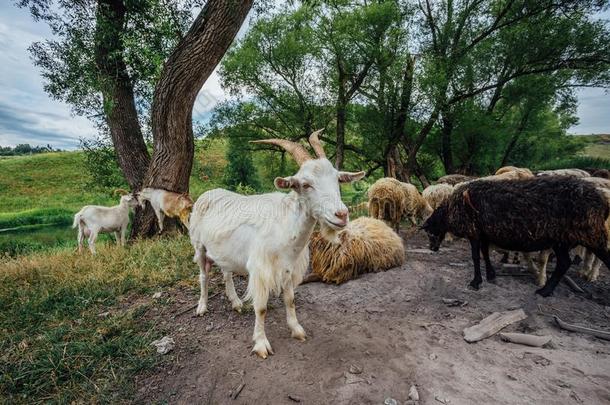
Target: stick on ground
pixel 602 334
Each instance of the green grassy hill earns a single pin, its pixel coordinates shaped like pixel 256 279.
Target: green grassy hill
pixel 598 146
pixel 39 195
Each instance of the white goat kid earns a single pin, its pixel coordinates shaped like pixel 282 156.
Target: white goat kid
pixel 94 219
pixel 266 236
pixel 167 203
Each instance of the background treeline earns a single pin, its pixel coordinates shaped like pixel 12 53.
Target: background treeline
pixel 416 90
pixel 25 149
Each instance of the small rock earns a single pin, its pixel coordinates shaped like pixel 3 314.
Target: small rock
pixel 511 377
pixel 441 399
pixel 209 327
pixel 104 314
pixel 575 397
pixel 390 401
pixel 294 398
pixel 413 394
pixel 354 369
pixel 164 345
pixel 157 295
pixel 433 356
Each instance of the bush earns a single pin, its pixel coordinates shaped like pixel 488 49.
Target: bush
pixel 240 170
pixel 101 164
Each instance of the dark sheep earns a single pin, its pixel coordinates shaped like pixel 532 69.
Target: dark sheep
pixel 603 173
pixel 556 213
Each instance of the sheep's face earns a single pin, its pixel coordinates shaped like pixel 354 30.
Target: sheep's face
pixel 317 183
pixel 436 228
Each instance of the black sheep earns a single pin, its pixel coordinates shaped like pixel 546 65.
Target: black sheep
pixel 554 212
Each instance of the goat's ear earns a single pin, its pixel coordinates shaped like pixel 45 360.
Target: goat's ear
pixel 284 183
pixel 348 177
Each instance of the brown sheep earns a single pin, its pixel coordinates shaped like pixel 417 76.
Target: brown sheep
pixel 367 245
pixel 387 201
pixel 516 173
pixel 436 194
pixel 453 179
pixel 416 207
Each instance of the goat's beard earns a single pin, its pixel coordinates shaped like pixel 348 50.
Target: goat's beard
pixel 330 234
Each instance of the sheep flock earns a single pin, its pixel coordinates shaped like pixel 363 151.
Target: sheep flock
pixel 304 234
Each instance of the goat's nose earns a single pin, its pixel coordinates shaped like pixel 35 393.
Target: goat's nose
pixel 342 215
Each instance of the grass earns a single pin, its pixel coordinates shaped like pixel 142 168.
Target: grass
pixel 56 348
pixel 48 180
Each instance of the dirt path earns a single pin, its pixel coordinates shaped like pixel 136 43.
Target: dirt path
pixel 394 327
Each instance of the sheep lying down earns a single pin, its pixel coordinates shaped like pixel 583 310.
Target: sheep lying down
pixel 367 245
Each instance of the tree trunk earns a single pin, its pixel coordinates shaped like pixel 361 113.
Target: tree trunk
pixel 117 92
pixel 447 150
pixel 184 73
pixel 413 147
pixel 515 138
pixel 341 118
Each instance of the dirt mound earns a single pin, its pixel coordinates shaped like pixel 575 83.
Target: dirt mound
pixel 373 338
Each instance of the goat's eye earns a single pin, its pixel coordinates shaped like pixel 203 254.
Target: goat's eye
pixel 307 186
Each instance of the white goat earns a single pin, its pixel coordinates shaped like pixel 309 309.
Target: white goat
pixel 167 203
pixel 266 236
pixel 93 219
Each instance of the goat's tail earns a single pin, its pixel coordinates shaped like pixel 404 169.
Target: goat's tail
pixel 76 220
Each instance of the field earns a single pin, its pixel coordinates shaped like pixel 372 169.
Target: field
pixel 77 328
pixel 598 146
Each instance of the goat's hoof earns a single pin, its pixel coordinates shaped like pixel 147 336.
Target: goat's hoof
pixel 545 292
pixel 299 333
pixel 201 309
pixel 262 348
pixel 475 285
pixel 492 279
pixel 237 306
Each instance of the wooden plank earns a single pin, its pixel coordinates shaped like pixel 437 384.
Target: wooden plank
pixel 492 325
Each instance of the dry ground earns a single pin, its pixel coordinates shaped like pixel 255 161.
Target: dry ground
pixel 394 327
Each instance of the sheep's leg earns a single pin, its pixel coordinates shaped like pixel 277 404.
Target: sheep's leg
pixel 597 264
pixel 236 303
pixel 490 273
pixel 543 260
pixel 118 238
pixel 291 315
pixel 505 254
pixel 579 255
pixel 204 269
pixel 563 264
pixel 475 247
pixel 604 256
pixel 91 241
pixel 259 300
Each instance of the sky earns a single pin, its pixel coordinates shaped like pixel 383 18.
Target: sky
pixel 29 115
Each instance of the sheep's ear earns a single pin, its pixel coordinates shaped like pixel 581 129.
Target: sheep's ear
pixel 284 183
pixel 348 177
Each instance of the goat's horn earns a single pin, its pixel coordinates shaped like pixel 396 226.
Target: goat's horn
pixel 315 143
pixel 298 152
pixel 120 191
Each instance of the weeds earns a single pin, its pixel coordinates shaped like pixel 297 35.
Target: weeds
pixel 55 345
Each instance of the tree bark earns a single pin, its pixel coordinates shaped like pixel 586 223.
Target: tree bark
pixel 515 138
pixel 117 92
pixel 184 73
pixel 340 136
pixel 446 147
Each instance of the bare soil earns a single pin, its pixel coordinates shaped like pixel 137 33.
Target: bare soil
pixel 370 339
